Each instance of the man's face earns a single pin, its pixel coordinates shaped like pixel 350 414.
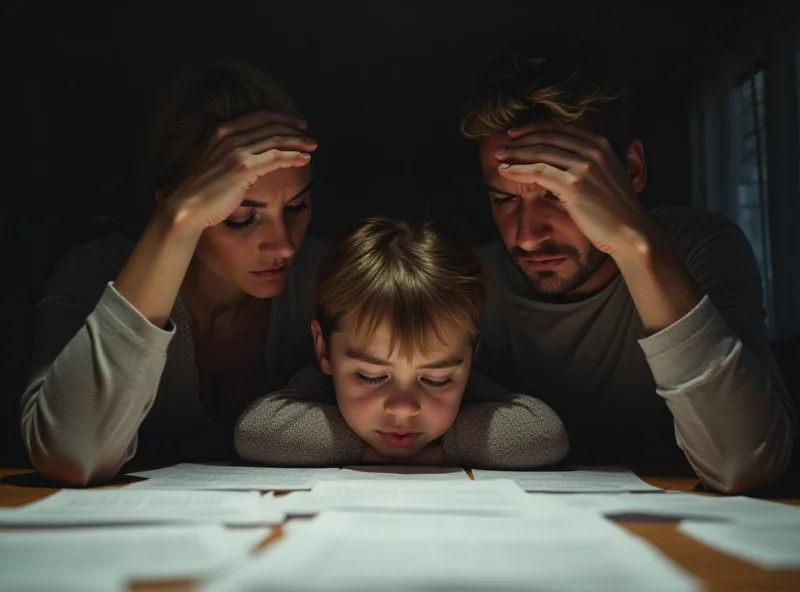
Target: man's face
pixel 396 405
pixel 538 233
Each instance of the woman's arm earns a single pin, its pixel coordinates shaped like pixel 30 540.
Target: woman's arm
pixel 96 366
pixel 299 426
pixel 100 352
pixel 499 430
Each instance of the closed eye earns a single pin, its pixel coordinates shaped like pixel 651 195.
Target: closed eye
pixel 300 201
pixel 240 224
pixel 436 383
pixel 370 379
pixel 296 207
pixel 502 198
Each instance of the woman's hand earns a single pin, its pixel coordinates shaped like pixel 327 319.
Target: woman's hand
pixel 240 152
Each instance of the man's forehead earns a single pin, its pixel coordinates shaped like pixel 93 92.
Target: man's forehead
pixel 486 147
pixel 492 142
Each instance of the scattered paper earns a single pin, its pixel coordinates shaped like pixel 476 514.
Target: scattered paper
pixel 403 473
pixel 595 480
pixel 106 558
pixel 360 552
pixel 770 546
pixel 452 527
pixel 498 497
pixel 678 506
pixel 123 506
pixel 193 476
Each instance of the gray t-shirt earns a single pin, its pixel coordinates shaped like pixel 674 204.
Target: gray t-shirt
pixel 707 385
pixel 106 384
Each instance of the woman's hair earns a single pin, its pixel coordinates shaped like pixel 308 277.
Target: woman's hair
pixel 422 277
pixel 550 81
pixel 194 103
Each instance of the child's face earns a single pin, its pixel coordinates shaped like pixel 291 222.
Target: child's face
pixel 396 405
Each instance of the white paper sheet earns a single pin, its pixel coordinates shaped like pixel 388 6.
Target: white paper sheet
pixel 497 497
pixel 450 527
pixel 402 473
pixel 772 546
pixel 355 552
pixel 594 480
pixel 299 503
pixel 21 581
pixel 194 476
pixel 123 506
pixel 679 506
pixel 105 558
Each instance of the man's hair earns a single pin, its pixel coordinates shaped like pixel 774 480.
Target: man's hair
pixel 194 103
pixel 550 81
pixel 423 278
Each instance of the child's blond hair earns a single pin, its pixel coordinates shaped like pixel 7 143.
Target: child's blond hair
pixel 422 277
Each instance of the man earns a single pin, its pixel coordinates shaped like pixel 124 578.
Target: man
pixel 643 330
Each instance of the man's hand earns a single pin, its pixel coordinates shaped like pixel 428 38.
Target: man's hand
pixel 582 171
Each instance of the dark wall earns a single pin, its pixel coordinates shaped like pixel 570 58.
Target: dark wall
pixel 380 82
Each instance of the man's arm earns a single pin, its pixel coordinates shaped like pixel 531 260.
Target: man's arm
pixel 714 367
pixel 709 355
pixel 297 426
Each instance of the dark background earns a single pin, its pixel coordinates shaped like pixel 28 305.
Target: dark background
pixel 381 83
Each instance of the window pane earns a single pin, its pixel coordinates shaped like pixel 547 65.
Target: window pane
pixel 751 202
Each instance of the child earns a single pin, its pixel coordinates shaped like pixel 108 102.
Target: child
pixel 396 331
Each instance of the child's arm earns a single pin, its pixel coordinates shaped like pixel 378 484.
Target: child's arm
pixel 499 430
pixel 299 426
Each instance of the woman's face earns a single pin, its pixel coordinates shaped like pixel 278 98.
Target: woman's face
pixel 253 247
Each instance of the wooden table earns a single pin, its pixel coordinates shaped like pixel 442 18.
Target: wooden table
pixel 718 571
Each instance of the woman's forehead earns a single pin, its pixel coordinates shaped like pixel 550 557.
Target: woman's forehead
pixel 281 186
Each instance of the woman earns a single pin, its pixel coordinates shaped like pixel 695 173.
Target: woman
pixel 158 347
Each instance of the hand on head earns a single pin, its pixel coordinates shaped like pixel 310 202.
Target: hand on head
pixel 581 169
pixel 239 153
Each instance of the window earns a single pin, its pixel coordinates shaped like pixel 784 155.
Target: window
pixel 750 157
pixel 745 140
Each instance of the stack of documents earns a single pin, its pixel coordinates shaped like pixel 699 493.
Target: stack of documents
pixel 106 559
pixel 402 473
pixel 192 476
pixel 497 497
pixel 768 545
pixel 595 480
pixel 378 551
pixel 123 506
pixel 387 528
pixel 677 506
